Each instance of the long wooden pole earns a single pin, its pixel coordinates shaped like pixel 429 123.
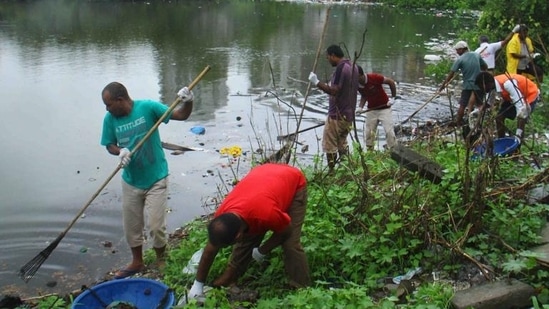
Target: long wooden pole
pixel 318 52
pixel 428 101
pixel 292 135
pixel 420 108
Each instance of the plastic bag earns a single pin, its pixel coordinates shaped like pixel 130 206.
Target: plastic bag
pixel 192 265
pixel 409 275
pixel 473 119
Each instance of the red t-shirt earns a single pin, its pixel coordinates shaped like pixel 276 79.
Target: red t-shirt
pixel 373 91
pixel 263 196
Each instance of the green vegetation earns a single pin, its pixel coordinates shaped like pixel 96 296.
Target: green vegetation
pixel 374 220
pixel 497 19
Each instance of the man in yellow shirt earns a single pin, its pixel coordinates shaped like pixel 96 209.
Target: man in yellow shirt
pixel 519 53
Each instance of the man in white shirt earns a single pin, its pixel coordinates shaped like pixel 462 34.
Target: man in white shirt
pixel 488 50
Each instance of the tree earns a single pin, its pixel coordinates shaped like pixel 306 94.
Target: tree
pixel 499 16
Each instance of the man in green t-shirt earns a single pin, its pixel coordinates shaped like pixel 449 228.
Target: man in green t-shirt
pixel 470 64
pixel 145 175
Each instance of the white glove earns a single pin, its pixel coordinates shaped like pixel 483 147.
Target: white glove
pixel 516 29
pixel 257 255
pixel 392 101
pixel 124 156
pixel 196 290
pixel 518 136
pixel 185 94
pixel 313 79
pixel 473 118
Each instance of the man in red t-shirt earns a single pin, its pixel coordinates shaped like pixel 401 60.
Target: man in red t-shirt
pixel 379 106
pixel 272 197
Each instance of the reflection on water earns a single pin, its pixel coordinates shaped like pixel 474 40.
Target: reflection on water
pixel 57 55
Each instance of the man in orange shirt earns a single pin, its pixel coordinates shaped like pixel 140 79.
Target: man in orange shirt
pixel 272 197
pixel 520 96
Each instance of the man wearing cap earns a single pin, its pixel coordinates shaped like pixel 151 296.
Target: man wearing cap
pixel 470 64
pixel 488 50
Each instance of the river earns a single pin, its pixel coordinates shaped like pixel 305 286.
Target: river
pixel 56 56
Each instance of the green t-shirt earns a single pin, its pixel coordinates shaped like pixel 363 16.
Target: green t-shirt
pixel 469 63
pixel 148 165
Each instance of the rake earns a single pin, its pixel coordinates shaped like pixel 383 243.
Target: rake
pixel 28 271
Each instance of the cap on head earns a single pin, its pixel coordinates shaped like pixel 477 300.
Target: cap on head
pixel 461 45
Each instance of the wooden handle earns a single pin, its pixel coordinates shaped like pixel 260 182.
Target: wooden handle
pixel 172 107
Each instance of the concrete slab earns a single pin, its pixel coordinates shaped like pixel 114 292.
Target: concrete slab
pixel 415 162
pixel 505 294
pixel 544 249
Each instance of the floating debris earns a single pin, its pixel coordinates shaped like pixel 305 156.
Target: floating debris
pixel 106 244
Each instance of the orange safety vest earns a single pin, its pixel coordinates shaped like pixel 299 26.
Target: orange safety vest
pixel 526 87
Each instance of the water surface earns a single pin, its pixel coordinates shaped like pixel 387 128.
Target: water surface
pixel 56 57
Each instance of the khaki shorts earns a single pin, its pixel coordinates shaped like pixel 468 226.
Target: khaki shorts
pixel 335 135
pixel 139 205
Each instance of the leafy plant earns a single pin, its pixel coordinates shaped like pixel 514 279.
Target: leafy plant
pixel 51 302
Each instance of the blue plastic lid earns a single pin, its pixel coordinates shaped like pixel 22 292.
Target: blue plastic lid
pixel 140 292
pixel 198 130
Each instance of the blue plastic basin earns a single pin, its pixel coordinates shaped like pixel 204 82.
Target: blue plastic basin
pixel 502 146
pixel 140 292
